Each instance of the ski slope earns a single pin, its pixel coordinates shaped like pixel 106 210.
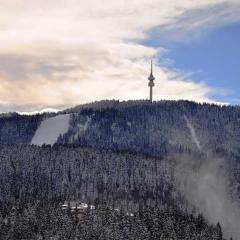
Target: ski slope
pixel 50 129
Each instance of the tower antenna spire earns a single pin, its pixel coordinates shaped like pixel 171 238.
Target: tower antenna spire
pixel 151 79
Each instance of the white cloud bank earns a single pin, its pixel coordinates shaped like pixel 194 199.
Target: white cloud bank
pixel 69 52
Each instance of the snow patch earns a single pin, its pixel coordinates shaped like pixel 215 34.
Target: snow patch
pixel 50 129
pixel 193 133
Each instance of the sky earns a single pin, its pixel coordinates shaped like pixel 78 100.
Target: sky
pixel 55 54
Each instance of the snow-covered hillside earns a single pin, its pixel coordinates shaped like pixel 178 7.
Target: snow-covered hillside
pixel 50 129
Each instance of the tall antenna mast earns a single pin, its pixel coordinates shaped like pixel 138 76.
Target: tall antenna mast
pixel 151 79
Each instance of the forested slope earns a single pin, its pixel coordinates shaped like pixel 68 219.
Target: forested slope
pixel 17 129
pixel 30 173
pixel 157 129
pixel 172 159
pixel 135 196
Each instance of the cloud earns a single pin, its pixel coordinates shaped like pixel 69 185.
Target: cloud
pixel 195 24
pixel 71 52
pixel 31 108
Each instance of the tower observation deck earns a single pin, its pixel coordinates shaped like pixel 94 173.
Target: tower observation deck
pixel 151 79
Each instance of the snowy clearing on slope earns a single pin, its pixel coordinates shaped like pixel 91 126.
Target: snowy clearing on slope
pixel 50 129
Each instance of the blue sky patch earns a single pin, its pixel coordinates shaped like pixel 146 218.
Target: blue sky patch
pixel 214 58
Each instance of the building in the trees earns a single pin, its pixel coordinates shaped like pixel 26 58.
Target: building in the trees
pixel 76 205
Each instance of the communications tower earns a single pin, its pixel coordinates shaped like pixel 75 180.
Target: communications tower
pixel 151 79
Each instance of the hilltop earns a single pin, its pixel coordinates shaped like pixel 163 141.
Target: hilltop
pixel 139 126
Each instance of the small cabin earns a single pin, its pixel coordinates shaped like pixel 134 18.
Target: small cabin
pixel 76 205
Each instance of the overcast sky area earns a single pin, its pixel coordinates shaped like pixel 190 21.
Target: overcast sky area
pixel 55 54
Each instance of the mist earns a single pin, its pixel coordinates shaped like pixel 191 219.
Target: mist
pixel 205 184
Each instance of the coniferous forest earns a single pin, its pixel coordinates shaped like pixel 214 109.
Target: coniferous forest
pixel 134 196
pixel 167 170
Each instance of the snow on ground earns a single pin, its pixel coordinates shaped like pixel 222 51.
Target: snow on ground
pixel 193 133
pixel 50 129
